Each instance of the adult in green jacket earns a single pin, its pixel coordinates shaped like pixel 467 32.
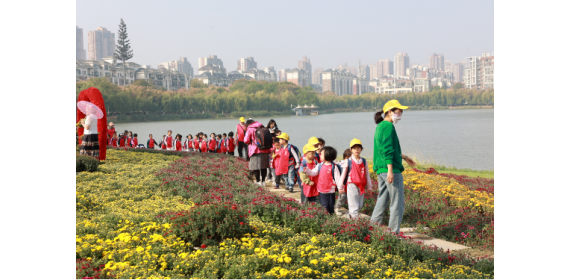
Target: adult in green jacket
pixel 388 165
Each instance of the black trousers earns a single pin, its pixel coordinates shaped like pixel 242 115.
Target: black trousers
pixel 327 201
pixel 242 145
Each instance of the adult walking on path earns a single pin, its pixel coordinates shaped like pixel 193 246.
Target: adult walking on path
pixel 90 141
pixel 110 130
pixel 240 129
pixel 388 165
pixel 258 159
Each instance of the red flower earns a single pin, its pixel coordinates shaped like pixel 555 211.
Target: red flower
pixel 203 246
pixel 241 223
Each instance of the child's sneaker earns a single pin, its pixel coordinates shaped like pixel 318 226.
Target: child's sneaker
pixel 263 184
pixel 276 187
pixel 338 212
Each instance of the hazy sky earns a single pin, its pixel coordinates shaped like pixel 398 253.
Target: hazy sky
pixel 280 33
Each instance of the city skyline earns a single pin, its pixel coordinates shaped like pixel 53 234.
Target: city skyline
pixel 271 47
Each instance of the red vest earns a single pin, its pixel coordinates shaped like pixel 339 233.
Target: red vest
pixel 196 144
pixel 135 142
pixel 224 146
pixel 178 145
pixel 204 146
pixel 240 132
pixel 151 143
pixel 311 191
pixel 168 141
pixel 231 145
pixel 212 145
pixel 281 161
pixel 358 176
pixel 325 181
pixel 122 142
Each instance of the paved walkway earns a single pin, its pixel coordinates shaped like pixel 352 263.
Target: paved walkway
pixel 417 237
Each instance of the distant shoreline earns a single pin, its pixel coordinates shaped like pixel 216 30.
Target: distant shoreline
pixel 265 114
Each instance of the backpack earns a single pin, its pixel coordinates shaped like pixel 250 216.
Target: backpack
pixel 263 138
pixel 350 167
pixel 296 151
pixel 334 165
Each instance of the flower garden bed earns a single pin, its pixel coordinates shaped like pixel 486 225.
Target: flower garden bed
pixel 143 213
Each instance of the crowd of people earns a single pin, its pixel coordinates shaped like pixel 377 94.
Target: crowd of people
pixel 315 168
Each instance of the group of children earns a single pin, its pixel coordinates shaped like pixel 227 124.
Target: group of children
pixel 221 143
pixel 126 139
pixel 320 175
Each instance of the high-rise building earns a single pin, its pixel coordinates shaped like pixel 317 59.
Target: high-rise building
pixel 401 63
pixel 373 71
pixel 101 43
pixel 457 70
pixel 79 49
pixel 479 73
pixel 385 67
pixel 436 61
pixel 282 74
pixel 182 66
pixel 317 78
pixel 305 64
pixel 210 60
pixel 244 64
pixel 338 81
pixel 364 71
pixel 299 77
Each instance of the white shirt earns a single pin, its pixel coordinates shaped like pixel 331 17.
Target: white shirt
pixel 338 180
pixel 91 120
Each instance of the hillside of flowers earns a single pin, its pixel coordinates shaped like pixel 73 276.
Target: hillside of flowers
pixel 166 215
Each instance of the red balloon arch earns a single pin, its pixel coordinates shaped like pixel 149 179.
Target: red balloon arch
pixel 94 96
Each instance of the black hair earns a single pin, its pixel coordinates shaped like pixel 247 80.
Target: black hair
pixel 361 148
pixel 321 140
pixel 277 131
pixel 163 136
pixel 213 133
pixel 275 140
pixel 378 115
pixel 330 153
pixel 219 135
pixel 270 122
pixel 179 136
pixel 224 134
pixel 135 135
pixel 347 153
pixel 169 130
pixel 248 123
pixel 149 135
pixel 126 131
pixel 231 134
pixel 190 136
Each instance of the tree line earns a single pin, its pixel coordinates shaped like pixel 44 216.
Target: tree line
pixel 278 97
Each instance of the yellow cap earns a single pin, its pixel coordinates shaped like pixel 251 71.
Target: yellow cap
pixel 309 148
pixel 242 119
pixel 313 141
pixel 284 135
pixel 393 104
pixel 355 142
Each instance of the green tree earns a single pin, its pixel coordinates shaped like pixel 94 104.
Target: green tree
pixel 458 86
pixel 123 52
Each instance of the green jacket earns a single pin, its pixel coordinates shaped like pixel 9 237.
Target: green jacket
pixel 387 149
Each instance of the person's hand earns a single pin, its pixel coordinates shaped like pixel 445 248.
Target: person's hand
pixel 344 164
pixel 341 190
pixel 297 166
pixel 410 162
pixel 311 183
pixel 390 177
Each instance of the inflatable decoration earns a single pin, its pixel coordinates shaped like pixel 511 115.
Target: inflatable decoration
pixel 94 96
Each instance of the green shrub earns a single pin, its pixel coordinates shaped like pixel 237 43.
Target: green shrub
pixel 85 163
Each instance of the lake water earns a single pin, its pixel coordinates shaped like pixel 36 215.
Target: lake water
pixel 459 138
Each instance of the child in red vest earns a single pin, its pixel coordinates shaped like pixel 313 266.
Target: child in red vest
pixel 224 145
pixel 169 141
pixel 163 142
pixel 196 143
pixel 113 140
pixel 122 140
pixel 129 139
pixel 178 143
pixel 231 143
pixel 204 144
pixel 134 141
pixel 288 159
pixel 219 144
pixel 151 142
pixel 212 143
pixel 275 162
pixel 329 178
pixel 357 179
pixel 342 191
pixel 309 183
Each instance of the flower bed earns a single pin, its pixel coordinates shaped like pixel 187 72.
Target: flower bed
pixel 456 208
pixel 131 223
